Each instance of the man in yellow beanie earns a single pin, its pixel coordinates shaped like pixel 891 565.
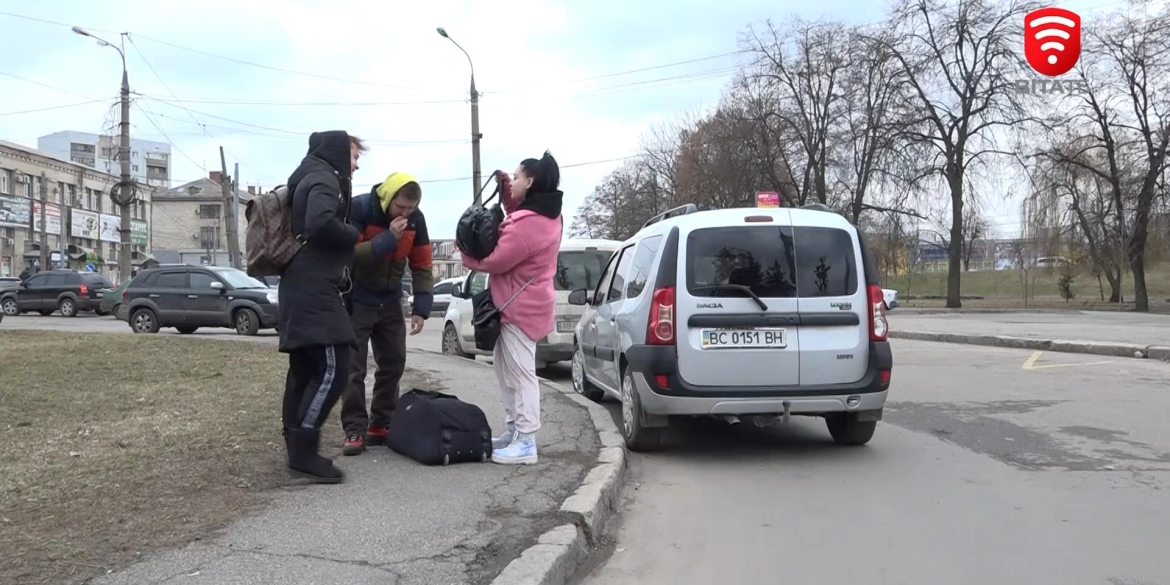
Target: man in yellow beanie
pixel 394 237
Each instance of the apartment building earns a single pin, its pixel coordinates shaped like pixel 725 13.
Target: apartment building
pixel 81 227
pixel 150 162
pixel 190 225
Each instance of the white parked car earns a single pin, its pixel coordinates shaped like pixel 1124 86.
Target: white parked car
pixel 890 297
pixel 444 293
pixel 579 265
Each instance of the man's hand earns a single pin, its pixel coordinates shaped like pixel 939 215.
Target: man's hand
pixel 416 324
pixel 397 226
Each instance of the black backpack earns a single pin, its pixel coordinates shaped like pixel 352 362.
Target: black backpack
pixel 438 429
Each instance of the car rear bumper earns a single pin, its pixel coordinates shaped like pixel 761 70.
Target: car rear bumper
pixel 677 397
pixel 550 352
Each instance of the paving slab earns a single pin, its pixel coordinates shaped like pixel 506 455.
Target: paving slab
pixel 398 522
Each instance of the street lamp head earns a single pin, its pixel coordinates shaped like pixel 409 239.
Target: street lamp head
pixel 442 32
pixel 80 31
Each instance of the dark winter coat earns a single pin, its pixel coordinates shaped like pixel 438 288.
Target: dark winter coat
pixel 312 312
pixel 380 260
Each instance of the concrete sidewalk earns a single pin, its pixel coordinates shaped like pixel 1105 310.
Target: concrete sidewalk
pixel 398 522
pixel 1091 332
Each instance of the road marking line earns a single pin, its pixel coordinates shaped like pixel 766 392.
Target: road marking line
pixel 1030 363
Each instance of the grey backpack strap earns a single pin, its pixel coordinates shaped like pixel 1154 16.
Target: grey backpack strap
pixel 516 294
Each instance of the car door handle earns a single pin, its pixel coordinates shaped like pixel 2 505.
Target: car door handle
pixel 192 296
pixel 153 296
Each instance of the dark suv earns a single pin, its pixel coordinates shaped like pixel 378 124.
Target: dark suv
pixel 190 297
pixel 67 291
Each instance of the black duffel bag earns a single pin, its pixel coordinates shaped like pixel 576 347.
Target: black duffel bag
pixel 438 429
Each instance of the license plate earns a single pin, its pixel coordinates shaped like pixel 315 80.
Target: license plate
pixel 744 338
pixel 565 326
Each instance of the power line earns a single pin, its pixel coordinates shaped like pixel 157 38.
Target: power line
pixel 150 119
pixel 73 105
pixel 52 87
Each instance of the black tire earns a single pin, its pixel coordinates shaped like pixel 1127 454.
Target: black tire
pixel 45 312
pixel 187 329
pixel 117 308
pixel 451 343
pixel 100 313
pixel 639 438
pixel 246 322
pixel 67 306
pixel 9 306
pixel 581 384
pixel 847 430
pixel 144 321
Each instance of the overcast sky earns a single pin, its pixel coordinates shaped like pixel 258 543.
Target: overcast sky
pixel 583 79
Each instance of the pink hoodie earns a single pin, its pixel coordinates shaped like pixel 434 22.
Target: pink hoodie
pixel 528 247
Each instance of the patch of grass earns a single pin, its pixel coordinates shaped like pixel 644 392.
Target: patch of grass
pixel 1043 285
pixel 114 446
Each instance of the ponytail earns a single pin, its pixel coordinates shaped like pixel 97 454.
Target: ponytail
pixel 545 173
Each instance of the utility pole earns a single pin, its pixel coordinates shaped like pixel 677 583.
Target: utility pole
pixel 126 185
pixel 229 213
pixel 124 193
pixel 44 223
pixel 236 259
pixel 476 175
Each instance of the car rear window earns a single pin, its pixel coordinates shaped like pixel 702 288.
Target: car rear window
pixel 96 280
pixel 774 262
pixel 580 269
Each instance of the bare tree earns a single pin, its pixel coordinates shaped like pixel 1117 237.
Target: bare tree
pixel 958 59
pixel 802 67
pixel 1124 114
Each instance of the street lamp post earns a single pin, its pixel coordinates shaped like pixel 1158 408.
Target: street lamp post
pixel 124 194
pixel 475 135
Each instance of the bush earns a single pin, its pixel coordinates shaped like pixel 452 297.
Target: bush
pixel 1065 285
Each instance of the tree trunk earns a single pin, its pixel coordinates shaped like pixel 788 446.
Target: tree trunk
pixel 1114 285
pixel 1136 250
pixel 955 252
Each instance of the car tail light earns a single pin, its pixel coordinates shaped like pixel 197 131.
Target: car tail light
pixel 660 329
pixel 123 295
pixel 84 290
pixel 879 327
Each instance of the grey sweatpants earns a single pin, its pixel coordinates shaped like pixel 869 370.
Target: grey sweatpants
pixel 515 365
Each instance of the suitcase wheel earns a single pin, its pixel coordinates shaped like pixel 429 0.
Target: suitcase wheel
pixel 483 457
pixel 446 459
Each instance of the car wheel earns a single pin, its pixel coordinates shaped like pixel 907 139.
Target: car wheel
pixel 10 307
pixel 581 385
pixel 144 321
pixel 847 430
pixel 246 322
pixel 116 311
pixel 68 308
pixel 451 343
pixel 187 329
pixel 638 437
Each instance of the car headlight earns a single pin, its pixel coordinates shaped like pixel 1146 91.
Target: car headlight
pixel 273 296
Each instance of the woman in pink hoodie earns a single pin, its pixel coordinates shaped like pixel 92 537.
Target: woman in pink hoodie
pixel 522 268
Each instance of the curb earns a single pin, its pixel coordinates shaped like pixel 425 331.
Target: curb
pixel 559 552
pixel 1113 349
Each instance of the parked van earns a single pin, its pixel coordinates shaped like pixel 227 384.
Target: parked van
pixel 759 314
pixel 579 265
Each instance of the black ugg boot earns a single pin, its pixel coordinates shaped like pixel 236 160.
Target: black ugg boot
pixel 304 461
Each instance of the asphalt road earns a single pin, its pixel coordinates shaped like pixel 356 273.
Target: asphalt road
pixel 991 466
pixel 1087 325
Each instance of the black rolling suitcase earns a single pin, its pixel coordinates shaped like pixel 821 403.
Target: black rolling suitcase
pixel 437 429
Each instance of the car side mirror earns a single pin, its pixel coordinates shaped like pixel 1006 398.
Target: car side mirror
pixel 580 297
pixel 217 286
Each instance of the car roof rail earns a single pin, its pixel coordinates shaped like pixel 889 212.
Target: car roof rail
pixel 677 211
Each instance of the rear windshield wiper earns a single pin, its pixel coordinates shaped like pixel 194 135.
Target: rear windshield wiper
pixel 737 287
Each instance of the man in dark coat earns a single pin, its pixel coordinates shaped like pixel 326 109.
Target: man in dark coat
pixel 314 326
